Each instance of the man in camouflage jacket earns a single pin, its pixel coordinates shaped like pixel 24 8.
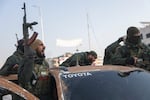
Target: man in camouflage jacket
pixel 134 52
pixel 111 49
pixel 81 59
pixel 34 72
pixel 12 62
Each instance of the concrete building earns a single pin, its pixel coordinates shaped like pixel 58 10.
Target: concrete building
pixel 145 31
pixel 56 61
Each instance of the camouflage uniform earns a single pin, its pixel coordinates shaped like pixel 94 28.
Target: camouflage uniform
pixel 110 51
pixel 34 76
pixel 125 55
pixel 78 59
pixel 39 81
pixel 12 62
pixel 8 67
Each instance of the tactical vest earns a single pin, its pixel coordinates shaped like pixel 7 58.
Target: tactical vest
pixel 143 58
pixel 41 84
pixel 135 52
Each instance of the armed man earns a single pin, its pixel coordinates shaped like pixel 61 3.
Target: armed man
pixel 134 52
pixel 80 59
pixel 33 74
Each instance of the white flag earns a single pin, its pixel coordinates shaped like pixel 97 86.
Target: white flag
pixel 68 43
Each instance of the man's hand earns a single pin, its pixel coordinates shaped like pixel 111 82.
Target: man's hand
pixel 15 67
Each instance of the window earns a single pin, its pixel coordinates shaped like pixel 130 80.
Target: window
pixel 148 35
pixel 141 36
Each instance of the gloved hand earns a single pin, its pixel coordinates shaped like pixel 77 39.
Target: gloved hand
pixel 29 52
pixel 130 61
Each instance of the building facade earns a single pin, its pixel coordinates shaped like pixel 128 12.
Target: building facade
pixel 145 31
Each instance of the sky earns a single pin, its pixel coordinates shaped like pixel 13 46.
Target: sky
pixel 69 19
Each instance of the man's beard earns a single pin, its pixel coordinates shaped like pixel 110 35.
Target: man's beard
pixel 41 55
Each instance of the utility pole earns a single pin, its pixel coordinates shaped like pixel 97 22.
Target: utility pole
pixel 88 26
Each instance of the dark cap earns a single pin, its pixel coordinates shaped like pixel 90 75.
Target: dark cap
pixel 133 31
pixel 93 53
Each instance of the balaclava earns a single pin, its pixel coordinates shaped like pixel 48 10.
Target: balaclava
pixel 133 35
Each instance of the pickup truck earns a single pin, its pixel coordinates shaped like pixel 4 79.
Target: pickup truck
pixel 102 83
pixel 106 82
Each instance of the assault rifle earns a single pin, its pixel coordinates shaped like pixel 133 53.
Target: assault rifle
pixel 26 33
pixel 26 67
